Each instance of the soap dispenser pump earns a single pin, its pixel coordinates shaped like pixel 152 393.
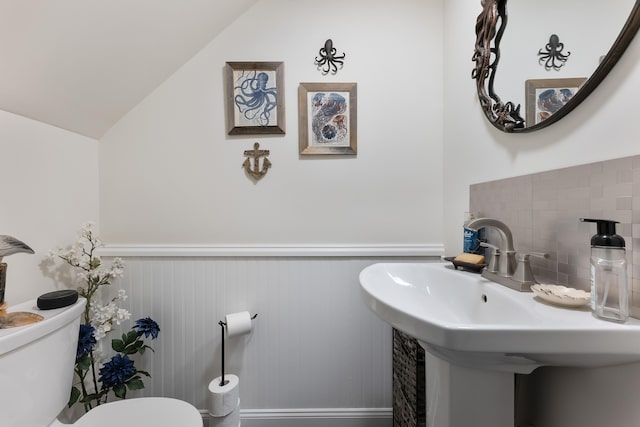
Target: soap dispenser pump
pixel 609 285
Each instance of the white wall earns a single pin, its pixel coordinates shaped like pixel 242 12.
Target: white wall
pixel 49 182
pixel 602 127
pixel 169 173
pixel 314 344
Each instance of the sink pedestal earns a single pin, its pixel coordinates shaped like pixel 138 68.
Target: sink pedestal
pixel 463 397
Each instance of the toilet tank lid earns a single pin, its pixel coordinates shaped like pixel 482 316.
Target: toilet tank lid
pixel 13 338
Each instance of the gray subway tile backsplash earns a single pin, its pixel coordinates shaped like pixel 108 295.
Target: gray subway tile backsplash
pixel 544 209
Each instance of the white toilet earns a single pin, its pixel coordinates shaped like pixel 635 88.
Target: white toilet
pixel 36 371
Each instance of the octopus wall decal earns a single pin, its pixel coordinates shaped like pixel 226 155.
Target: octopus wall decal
pixel 552 53
pixel 328 60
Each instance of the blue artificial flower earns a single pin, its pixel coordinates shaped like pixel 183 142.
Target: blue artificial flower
pixel 86 341
pixel 147 326
pixel 116 371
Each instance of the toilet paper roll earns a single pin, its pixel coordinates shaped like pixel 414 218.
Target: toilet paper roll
pixel 223 399
pixel 238 323
pixel 230 420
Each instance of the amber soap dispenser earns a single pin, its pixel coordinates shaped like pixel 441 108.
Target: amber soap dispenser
pixel 609 284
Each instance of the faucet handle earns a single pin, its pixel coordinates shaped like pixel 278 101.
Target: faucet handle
pixel 524 257
pixel 489 245
pixel 523 273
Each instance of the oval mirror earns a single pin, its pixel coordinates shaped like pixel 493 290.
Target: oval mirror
pixel 554 59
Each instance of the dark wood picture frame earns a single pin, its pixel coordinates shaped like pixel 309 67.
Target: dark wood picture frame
pixel 255 98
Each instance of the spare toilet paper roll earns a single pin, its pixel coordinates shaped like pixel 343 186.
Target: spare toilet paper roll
pixel 238 323
pixel 223 399
pixel 231 420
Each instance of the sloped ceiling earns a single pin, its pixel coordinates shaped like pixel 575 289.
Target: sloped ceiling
pixel 82 64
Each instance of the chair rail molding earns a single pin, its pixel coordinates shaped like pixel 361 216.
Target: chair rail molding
pixel 294 250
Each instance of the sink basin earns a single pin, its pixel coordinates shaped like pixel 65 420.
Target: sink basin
pixel 469 321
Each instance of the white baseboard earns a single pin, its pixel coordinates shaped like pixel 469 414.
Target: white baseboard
pixel 314 417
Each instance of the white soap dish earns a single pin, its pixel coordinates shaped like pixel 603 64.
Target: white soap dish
pixel 561 295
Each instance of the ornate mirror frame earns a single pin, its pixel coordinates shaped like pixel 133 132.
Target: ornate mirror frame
pixel 505 116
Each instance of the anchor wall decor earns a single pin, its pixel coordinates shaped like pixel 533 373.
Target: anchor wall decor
pixel 256 171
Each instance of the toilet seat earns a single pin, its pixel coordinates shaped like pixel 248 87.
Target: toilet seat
pixel 142 412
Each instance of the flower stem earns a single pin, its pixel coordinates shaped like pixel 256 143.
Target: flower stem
pixel 93 373
pixel 87 405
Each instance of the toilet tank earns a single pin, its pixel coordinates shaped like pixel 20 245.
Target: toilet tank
pixel 36 365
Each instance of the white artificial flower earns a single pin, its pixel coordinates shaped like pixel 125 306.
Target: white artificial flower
pixel 86 228
pixel 99 333
pixel 117 267
pixel 122 315
pixel 96 273
pixel 103 316
pixel 92 275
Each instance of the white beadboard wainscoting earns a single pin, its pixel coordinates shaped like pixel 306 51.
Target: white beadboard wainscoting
pixel 317 356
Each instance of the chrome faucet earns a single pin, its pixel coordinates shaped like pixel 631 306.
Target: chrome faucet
pixel 507 265
pixel 503 268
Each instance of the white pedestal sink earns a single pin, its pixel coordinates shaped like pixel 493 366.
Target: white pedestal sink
pixel 478 334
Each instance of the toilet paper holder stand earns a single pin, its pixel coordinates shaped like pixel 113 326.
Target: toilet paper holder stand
pixel 222 325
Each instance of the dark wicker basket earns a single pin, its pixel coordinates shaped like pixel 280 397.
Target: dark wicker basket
pixel 409 389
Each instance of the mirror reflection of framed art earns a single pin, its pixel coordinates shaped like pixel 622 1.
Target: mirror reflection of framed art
pixel 544 97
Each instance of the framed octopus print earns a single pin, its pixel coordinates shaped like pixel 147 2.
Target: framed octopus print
pixel 327 118
pixel 255 98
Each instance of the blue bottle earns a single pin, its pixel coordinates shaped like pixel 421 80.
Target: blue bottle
pixel 471 243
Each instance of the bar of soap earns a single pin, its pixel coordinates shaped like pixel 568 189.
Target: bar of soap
pixel 470 258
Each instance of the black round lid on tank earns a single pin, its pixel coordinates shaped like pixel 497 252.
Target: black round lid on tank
pixel 57 299
pixel 606 233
